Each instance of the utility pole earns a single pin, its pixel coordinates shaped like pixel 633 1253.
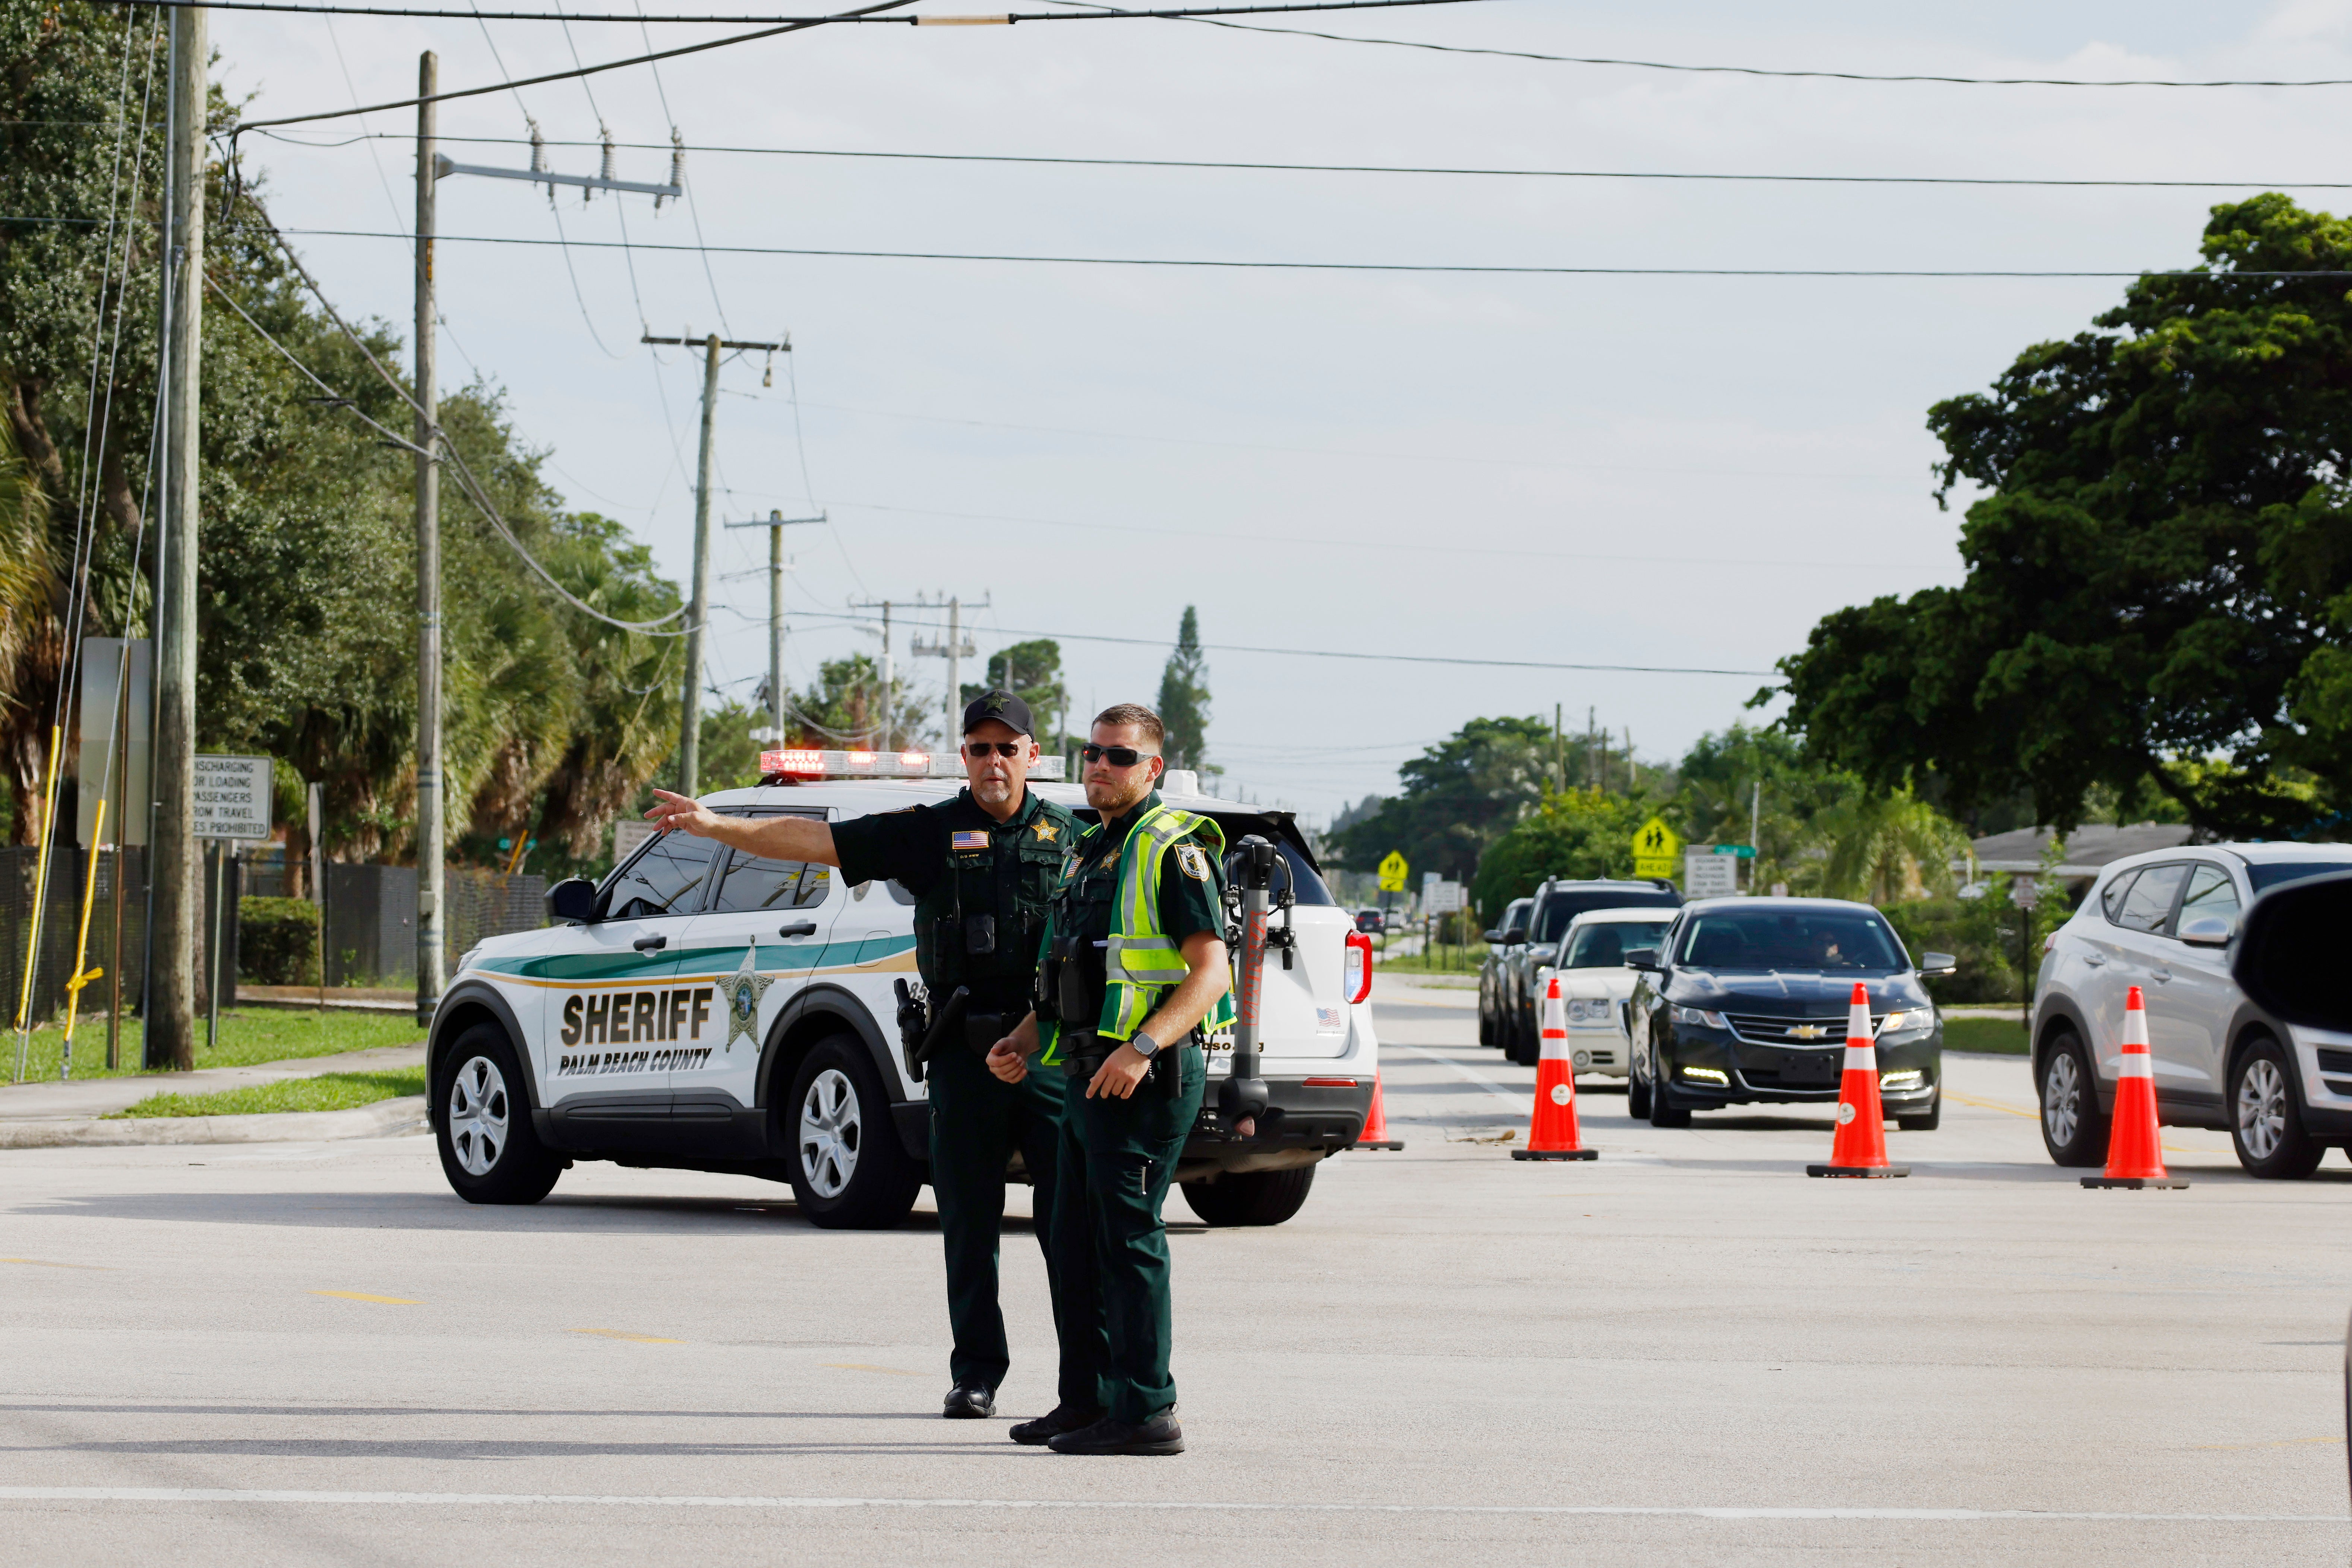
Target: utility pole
pixel 776 523
pixel 1558 750
pixel 171 1022
pixel 956 648
pixel 690 718
pixel 889 693
pixel 432 947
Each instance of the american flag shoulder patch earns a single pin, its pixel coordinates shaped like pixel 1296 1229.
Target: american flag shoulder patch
pixel 975 840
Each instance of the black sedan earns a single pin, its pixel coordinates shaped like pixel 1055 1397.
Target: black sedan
pixel 1745 1002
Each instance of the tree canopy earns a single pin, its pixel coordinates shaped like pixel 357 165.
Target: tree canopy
pixel 2159 581
pixel 1459 797
pixel 1183 706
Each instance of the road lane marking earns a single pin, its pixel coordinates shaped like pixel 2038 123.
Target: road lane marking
pixel 1092 1505
pixel 861 1366
pixel 1521 1104
pixel 45 1263
pixel 631 1338
pixel 2035 1117
pixel 363 1296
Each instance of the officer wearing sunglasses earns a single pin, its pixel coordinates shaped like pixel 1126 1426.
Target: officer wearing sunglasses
pixel 982 867
pixel 1133 985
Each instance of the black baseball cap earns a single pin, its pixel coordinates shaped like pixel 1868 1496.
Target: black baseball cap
pixel 1004 707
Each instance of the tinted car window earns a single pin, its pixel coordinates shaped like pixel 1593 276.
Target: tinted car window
pixel 1605 944
pixel 2265 877
pixel 2148 903
pixel 1831 940
pixel 2111 897
pixel 1306 886
pixel 1516 914
pixel 2211 893
pixel 1560 908
pixel 754 883
pixel 665 879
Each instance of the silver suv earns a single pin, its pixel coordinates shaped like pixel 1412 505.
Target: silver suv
pixel 2163 922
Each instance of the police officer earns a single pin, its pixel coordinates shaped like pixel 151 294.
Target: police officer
pixel 1134 984
pixel 982 867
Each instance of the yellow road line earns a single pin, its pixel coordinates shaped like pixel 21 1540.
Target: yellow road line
pixel 2031 1116
pixel 45 1263
pixel 363 1296
pixel 861 1366
pixel 631 1338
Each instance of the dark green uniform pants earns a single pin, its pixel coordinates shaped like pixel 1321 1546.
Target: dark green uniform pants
pixel 977 1124
pixel 1118 1159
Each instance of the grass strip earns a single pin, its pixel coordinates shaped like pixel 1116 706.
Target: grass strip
pixel 247 1036
pixel 327 1092
pixel 2004 1036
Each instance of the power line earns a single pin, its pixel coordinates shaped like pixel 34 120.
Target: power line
pixel 1262 167
pixel 1325 653
pixel 2314 273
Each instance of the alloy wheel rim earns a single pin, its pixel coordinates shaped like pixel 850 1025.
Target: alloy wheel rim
pixel 830 1133
pixel 2262 1109
pixel 478 1115
pixel 2061 1099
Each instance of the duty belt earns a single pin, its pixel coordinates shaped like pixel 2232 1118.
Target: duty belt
pixel 1084 1053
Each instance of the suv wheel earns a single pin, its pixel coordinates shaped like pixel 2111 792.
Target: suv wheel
pixel 2073 1129
pixel 1637 1093
pixel 1250 1197
pixel 1664 1112
pixel 1521 1045
pixel 482 1122
pixel 1485 1020
pixel 2265 1123
pixel 848 1170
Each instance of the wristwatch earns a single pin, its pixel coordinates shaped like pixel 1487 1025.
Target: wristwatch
pixel 1145 1046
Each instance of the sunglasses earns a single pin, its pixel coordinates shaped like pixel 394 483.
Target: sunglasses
pixel 1120 756
pixel 1001 747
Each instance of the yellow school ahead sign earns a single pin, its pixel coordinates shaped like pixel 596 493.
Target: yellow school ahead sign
pixel 1656 851
pixel 1392 873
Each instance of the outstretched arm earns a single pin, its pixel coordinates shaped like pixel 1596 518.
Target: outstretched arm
pixel 777 837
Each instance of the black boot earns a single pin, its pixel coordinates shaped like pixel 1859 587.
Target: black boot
pixel 969 1402
pixel 1062 1418
pixel 1161 1435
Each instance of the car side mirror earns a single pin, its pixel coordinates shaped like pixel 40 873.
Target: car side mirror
pixel 1935 966
pixel 573 899
pixel 1494 935
pixel 1644 958
pixel 1515 935
pixel 2287 947
pixel 2209 931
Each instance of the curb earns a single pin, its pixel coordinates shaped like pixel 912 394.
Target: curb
pixel 387 1118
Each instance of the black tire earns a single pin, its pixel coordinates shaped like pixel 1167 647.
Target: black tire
pixel 1664 1112
pixel 1925 1121
pixel 1522 1048
pixel 2265 1120
pixel 1250 1197
pixel 1485 1022
pixel 848 1169
pixel 481 1122
pixel 1637 1095
pixel 2074 1128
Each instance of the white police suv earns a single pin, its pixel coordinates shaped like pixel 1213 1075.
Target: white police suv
pixel 702 1008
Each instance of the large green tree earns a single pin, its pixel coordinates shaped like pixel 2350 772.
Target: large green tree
pixel 2159 580
pixel 1459 797
pixel 1183 705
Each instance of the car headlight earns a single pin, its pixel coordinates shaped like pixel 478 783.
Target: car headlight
pixel 1582 1009
pixel 1912 1021
pixel 1693 1015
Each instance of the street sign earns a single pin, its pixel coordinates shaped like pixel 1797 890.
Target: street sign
pixel 627 834
pixel 233 797
pixel 1656 851
pixel 1444 897
pixel 1392 873
pixel 1706 875
pixel 1745 852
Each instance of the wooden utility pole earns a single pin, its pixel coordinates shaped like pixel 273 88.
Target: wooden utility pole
pixel 689 715
pixel 776 523
pixel 431 949
pixel 172 1019
pixel 954 650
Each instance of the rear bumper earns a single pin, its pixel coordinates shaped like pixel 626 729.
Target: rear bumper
pixel 1307 1122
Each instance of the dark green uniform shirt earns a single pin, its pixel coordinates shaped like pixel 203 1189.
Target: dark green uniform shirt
pixel 1188 902
pixel 981 887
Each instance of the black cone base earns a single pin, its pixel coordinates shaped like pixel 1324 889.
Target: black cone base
pixel 1555 1154
pixel 2134 1182
pixel 1858 1171
pixel 1377 1144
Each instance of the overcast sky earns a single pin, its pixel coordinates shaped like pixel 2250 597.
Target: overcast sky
pixel 1665 471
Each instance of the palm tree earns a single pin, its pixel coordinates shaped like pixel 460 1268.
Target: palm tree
pixel 32 641
pixel 1887 848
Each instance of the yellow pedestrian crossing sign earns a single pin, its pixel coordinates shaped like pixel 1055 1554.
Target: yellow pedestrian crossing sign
pixel 1392 873
pixel 1656 851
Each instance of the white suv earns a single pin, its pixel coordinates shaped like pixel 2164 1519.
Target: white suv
pixel 702 1008
pixel 2163 922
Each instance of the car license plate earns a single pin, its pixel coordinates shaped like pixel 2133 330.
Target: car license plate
pixel 1818 1069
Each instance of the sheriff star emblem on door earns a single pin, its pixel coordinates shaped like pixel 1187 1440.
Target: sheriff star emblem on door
pixel 743 990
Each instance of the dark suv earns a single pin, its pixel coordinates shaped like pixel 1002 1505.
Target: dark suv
pixel 1747 1001
pixel 1529 951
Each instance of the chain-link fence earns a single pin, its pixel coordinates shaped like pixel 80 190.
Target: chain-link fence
pixel 60 927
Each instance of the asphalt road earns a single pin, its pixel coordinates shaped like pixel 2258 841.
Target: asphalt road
pixel 1684 1351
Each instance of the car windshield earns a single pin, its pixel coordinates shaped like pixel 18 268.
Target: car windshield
pixel 1831 940
pixel 1561 907
pixel 1605 944
pixel 2265 877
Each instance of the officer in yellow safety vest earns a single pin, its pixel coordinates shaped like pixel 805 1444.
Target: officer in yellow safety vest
pixel 1132 986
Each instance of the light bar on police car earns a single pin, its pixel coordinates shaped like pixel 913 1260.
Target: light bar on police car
pixel 799 762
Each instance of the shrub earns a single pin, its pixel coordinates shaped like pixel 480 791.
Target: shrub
pixel 277 941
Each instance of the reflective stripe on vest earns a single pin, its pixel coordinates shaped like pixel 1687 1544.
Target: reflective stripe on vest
pixel 1142 962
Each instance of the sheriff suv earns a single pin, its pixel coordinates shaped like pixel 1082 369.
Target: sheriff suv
pixel 702 1008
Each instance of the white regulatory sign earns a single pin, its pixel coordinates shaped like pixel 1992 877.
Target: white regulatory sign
pixel 1706 875
pixel 233 797
pixel 627 834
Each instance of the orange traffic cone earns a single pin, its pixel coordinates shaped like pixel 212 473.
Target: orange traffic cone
pixel 1860 1147
pixel 2135 1157
pixel 1553 1132
pixel 1375 1135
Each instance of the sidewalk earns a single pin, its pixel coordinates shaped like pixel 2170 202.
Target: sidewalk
pixel 53 1102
